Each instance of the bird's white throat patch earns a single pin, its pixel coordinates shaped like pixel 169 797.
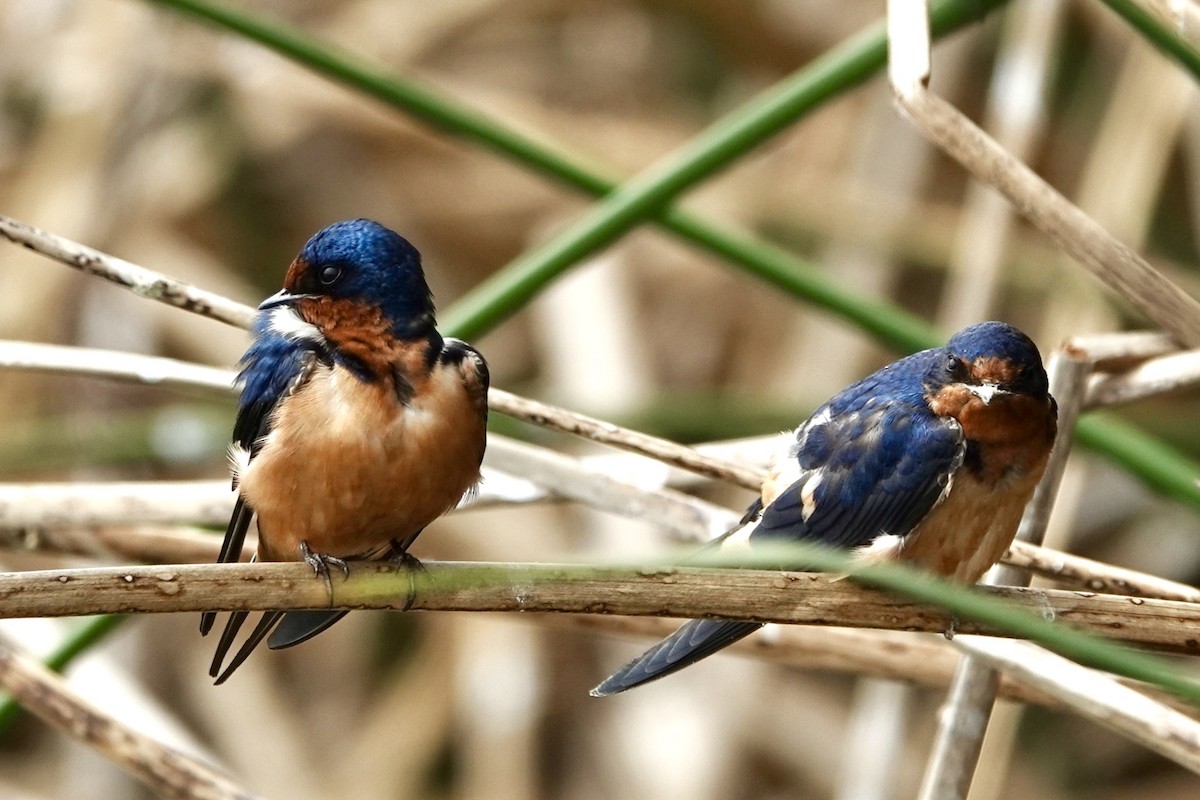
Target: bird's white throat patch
pixel 285 321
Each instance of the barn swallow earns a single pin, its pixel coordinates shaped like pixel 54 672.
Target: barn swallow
pixel 928 461
pixel 357 425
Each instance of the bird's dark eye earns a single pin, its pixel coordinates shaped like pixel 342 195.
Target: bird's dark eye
pixel 956 368
pixel 1025 380
pixel 329 275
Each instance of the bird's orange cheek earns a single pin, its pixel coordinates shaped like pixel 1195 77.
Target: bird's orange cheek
pixel 949 401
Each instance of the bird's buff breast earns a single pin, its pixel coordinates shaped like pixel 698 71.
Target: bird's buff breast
pixel 346 467
pixel 970 529
pixel 976 521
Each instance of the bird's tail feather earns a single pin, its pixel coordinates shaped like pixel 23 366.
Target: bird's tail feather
pixel 695 640
pixel 300 626
pixel 236 619
pixel 231 550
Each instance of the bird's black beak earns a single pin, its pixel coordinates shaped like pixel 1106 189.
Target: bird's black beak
pixel 282 298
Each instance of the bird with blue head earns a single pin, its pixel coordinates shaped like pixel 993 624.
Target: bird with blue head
pixel 357 424
pixel 929 461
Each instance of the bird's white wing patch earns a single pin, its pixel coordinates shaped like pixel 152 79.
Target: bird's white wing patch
pixel 239 458
pixel 800 438
pixel 885 547
pixel 808 498
pixel 738 540
pixel 784 470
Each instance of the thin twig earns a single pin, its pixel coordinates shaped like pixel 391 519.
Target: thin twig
pixel 142 544
pixel 1095 696
pixel 79 640
pixel 548 416
pixel 805 598
pixel 688 518
pixel 158 544
pixel 156 370
pixel 893 655
pixel 114 365
pixel 165 770
pixel 32 506
pixel 139 280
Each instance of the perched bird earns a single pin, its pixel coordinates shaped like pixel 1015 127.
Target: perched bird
pixel 930 461
pixel 358 424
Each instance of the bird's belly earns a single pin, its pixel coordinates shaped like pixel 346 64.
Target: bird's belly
pixel 971 528
pixel 346 467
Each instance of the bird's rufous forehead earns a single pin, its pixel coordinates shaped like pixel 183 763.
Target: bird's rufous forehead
pixel 993 369
pixel 295 271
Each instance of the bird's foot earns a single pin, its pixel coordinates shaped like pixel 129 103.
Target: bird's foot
pixel 952 630
pixel 407 561
pixel 321 563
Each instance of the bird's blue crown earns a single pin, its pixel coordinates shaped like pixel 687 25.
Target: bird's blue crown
pixel 363 261
pixel 999 340
pixel 994 340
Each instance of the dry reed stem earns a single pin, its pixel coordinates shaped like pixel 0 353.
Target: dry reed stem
pixel 1110 260
pixel 964 719
pixel 33 506
pixel 119 519
pixel 1106 351
pixel 168 772
pixel 1154 377
pixel 559 419
pixel 765 596
pixel 1096 576
pixel 681 515
pixel 144 544
pixel 1094 696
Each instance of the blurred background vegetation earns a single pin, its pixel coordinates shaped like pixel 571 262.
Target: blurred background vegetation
pixel 202 155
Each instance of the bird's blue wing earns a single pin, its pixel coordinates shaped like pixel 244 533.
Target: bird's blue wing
pixel 874 470
pixel 274 366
